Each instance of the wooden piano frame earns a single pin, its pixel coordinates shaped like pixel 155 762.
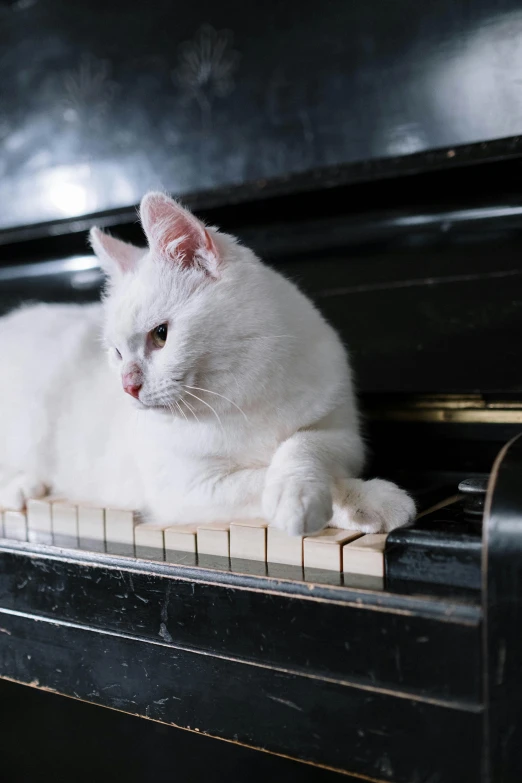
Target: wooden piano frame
pixel 378 685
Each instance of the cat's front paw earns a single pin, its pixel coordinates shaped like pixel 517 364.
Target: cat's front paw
pixel 296 506
pixel 374 506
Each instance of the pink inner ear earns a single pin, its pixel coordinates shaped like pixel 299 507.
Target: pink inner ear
pixel 184 241
pixel 109 249
pixel 176 234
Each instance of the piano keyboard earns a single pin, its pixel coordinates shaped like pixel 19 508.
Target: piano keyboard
pixel 56 522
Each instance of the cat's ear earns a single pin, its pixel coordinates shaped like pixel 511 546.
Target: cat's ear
pixel 115 257
pixel 177 236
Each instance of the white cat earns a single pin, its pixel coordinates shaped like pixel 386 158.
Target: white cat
pixel 239 402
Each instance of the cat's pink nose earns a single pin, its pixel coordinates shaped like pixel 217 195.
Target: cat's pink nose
pixel 134 391
pixel 131 382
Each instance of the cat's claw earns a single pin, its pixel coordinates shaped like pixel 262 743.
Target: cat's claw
pixel 374 506
pixel 19 489
pixel 297 507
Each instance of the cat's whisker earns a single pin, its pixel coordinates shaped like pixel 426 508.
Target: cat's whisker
pixel 178 406
pixel 208 406
pixel 166 404
pixel 191 409
pixel 200 388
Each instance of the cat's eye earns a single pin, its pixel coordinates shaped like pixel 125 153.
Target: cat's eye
pixel 118 354
pixel 159 335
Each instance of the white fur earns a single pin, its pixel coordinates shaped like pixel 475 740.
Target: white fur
pixel 282 440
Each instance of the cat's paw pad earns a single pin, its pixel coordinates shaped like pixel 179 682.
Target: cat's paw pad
pixel 18 490
pixel 374 506
pixel 297 507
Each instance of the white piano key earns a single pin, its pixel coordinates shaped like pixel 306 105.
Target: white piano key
pixel 149 541
pixel 64 518
pixel 119 531
pixel 181 544
pixel 365 555
pixel 214 539
pixel 91 528
pixel 325 550
pixel 248 539
pixel 2 532
pixel 15 525
pixel 40 520
pixel 282 548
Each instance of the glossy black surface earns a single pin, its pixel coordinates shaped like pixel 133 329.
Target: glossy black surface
pixel 103 100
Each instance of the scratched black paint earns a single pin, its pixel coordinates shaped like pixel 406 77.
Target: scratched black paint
pixel 443 547
pixel 343 727
pixel 126 747
pixel 344 634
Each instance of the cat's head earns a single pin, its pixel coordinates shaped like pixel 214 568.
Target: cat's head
pixel 181 314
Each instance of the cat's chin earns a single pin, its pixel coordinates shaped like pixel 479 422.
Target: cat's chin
pixel 140 405
pixel 151 406
pixel 137 404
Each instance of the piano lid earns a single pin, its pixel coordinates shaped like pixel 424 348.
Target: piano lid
pixel 103 101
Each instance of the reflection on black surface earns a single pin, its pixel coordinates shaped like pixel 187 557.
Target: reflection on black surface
pixel 101 101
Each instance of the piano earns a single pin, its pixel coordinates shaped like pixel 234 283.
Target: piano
pixel 397 664
pixel 378 165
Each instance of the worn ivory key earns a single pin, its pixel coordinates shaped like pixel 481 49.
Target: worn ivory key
pixel 365 555
pixel 91 528
pixel 214 539
pixel 119 531
pixel 40 521
pixel 325 550
pixel 181 544
pixel 282 548
pixel 15 525
pixel 248 539
pixel 149 541
pixel 64 519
